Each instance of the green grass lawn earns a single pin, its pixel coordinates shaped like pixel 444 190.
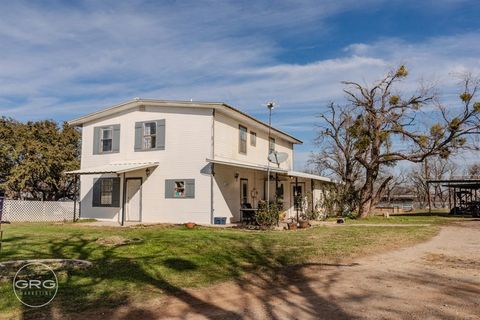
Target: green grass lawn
pixel 418 217
pixel 164 260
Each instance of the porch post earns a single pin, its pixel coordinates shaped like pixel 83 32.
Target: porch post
pixel 428 198
pixel 454 200
pixel 296 195
pixel 75 177
pixel 276 187
pixel 124 194
pixel 312 186
pixel 449 199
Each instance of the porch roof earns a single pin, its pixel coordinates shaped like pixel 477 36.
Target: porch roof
pixel 246 165
pixel 115 168
pixel 272 169
pixel 309 176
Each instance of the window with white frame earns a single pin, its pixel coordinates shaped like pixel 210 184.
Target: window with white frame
pixel 253 139
pixel 106 192
pixel 242 142
pixel 106 140
pixel 149 135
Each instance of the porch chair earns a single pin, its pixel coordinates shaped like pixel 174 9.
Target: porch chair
pixel 248 213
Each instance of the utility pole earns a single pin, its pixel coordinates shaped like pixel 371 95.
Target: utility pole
pixel 270 106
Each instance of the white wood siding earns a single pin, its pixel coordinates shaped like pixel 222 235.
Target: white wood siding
pixel 187 145
pixel 227 142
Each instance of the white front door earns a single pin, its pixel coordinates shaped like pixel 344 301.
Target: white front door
pixel 133 203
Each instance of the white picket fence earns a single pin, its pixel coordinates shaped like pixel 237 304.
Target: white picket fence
pixel 36 211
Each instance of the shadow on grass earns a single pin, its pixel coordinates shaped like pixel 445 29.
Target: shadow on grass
pixel 263 277
pixel 266 269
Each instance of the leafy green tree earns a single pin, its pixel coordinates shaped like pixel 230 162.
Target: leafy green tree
pixel 8 142
pixel 37 154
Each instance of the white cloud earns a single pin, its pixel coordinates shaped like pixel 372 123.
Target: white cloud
pixel 59 61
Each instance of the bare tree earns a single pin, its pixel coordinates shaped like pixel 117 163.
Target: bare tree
pixel 474 170
pixel 337 156
pixel 385 128
pixel 394 186
pixel 434 168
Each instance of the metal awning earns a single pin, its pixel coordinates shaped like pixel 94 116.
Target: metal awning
pixel 309 176
pixel 273 169
pixel 247 165
pixel 115 168
pixel 465 183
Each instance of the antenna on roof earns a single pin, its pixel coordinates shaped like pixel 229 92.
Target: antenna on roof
pixel 270 105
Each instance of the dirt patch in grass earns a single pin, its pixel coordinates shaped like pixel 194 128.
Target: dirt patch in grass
pixel 113 241
pixel 9 268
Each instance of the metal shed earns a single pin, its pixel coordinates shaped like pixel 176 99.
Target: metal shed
pixel 463 195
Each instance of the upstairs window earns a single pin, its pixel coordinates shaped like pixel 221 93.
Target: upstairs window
pixel 271 145
pixel 149 135
pixel 242 142
pixel 253 139
pixel 106 140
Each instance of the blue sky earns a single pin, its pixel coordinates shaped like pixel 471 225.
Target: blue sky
pixel 59 60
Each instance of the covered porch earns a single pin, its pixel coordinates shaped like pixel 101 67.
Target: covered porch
pixel 240 188
pixel 120 196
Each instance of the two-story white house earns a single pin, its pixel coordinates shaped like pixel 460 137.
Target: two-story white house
pixel 176 161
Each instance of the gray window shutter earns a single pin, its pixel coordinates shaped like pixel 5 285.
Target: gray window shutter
pixel 160 134
pixel 96 192
pixel 116 192
pixel 116 138
pixel 190 188
pixel 96 140
pixel 169 189
pixel 138 135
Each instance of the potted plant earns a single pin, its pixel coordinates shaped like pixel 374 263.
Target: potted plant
pixel 190 225
pixel 303 224
pixel 292 224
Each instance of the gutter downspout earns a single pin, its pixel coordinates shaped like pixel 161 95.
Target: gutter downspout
pixel 212 169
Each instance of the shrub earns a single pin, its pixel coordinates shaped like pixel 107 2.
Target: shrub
pixel 267 217
pixel 311 215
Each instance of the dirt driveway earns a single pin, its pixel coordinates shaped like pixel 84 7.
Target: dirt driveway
pixel 439 279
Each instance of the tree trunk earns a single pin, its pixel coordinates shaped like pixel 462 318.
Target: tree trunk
pixel 364 208
pixel 369 197
pixel 366 195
